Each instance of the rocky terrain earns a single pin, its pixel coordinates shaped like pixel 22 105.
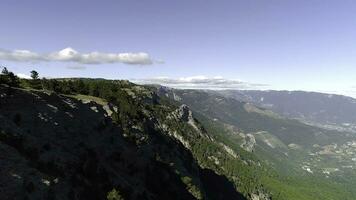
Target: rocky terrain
pixel 102 139
pixel 69 147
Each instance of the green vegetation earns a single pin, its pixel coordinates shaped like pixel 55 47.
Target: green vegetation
pixel 280 172
pixel 83 97
pixel 133 100
pixel 9 78
pixel 35 82
pixel 215 145
pixel 291 185
pixel 114 195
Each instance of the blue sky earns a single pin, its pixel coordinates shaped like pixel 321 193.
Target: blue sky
pixel 293 45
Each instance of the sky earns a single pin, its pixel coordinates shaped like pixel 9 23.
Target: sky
pixel 276 44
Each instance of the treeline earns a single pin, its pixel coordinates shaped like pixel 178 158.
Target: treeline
pixel 112 91
pixel 9 78
pixel 105 89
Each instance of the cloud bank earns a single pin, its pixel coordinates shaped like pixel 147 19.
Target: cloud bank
pixel 76 67
pixel 71 55
pixel 24 76
pixel 201 82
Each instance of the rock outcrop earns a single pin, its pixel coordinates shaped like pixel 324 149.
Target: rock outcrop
pixel 249 142
pixel 57 147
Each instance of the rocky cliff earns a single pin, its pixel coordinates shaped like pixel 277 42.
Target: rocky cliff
pixel 62 147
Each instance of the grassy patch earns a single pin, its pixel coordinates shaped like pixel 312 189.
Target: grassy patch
pixel 89 98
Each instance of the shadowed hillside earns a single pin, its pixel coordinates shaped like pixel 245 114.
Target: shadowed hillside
pixel 58 147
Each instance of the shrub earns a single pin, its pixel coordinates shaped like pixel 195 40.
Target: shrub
pixel 114 195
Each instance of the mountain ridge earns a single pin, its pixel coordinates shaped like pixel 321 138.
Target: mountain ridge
pixel 48 111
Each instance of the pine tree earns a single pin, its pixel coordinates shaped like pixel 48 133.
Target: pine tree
pixel 34 75
pixel 35 82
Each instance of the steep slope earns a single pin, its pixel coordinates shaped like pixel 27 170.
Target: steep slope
pixel 250 118
pixel 316 163
pixel 58 147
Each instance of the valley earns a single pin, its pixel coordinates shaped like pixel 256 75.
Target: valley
pixel 295 150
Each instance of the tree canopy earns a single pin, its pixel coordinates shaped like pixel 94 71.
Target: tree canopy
pixel 34 75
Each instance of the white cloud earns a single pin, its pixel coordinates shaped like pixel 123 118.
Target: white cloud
pixel 71 55
pixel 76 67
pixel 24 76
pixel 201 82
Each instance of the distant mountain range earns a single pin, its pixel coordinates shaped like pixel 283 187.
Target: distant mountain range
pixel 328 110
